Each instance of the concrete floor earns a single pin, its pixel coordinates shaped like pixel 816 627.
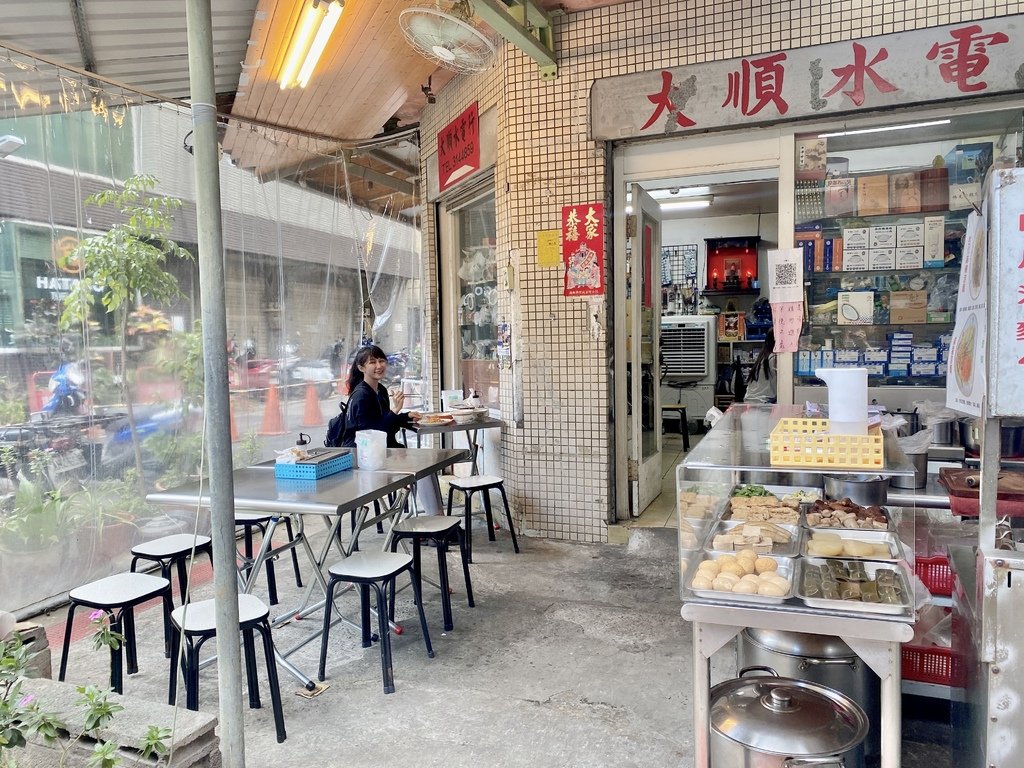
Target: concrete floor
pixel 574 655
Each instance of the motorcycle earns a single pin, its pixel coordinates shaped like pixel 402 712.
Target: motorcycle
pixel 118 452
pixel 67 397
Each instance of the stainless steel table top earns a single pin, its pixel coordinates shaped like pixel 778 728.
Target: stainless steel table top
pixel 440 429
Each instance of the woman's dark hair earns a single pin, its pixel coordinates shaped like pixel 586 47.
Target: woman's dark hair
pixel 362 356
pixel 767 349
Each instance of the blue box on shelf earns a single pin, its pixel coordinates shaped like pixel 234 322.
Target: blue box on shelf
pixel 322 462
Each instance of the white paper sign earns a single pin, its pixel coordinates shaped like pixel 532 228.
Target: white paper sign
pixel 965 377
pixel 785 275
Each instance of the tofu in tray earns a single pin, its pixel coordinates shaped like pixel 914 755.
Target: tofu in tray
pixel 764 538
pixel 770 509
pixel 692 533
pixel 853 585
pixel 852 543
pixel 843 513
pixel 703 501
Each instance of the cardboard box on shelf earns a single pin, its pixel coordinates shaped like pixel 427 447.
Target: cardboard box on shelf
pixel 935 242
pixel 856 237
pixel 904 192
pixel 881 258
pixel 873 195
pixel 934 183
pixel 909 235
pixel 909 258
pixel 908 307
pixel 882 236
pixel 855 259
pixel 841 197
pixel 855 308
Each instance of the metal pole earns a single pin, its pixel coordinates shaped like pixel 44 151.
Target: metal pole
pixel 217 415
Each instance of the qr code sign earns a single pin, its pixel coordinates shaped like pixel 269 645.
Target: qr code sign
pixel 785 274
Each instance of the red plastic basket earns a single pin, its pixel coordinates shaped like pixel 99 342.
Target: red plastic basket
pixel 933 664
pixel 935 573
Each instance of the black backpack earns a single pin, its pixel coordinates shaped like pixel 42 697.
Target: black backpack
pixel 336 427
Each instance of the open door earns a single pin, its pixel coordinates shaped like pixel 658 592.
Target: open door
pixel 643 329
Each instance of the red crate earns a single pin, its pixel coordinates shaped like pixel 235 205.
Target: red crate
pixel 933 664
pixel 935 573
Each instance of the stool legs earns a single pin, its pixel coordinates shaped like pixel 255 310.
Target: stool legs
pixel 263 628
pixel 486 495
pixel 508 516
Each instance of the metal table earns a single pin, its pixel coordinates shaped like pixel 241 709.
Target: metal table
pixel 330 498
pixel 472 428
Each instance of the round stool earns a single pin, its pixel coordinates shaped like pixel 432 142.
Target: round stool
pixel 197 623
pixel 469 486
pixel 117 597
pixel 441 530
pixel 377 570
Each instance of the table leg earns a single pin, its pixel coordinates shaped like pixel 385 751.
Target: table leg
pixel 701 709
pixel 892 712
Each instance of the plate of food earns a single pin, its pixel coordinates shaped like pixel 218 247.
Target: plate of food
pixel 435 419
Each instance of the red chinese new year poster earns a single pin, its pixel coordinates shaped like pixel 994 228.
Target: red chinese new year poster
pixel 458 148
pixel 583 249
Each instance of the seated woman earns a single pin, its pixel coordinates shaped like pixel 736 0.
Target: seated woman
pixel 764 374
pixel 369 404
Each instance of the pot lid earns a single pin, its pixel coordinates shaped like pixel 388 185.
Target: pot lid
pixel 782 716
pixel 800 643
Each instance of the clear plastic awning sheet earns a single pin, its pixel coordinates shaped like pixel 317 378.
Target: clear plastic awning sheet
pixel 96 412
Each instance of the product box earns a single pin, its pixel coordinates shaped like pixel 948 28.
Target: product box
pixel 923 369
pixel 840 197
pixel 825 358
pixel 875 355
pixel 873 195
pixel 856 237
pixel 941 369
pixel 855 308
pixel 855 259
pixel 904 192
pixel 967 165
pixel 881 258
pixel 945 340
pixel 882 236
pixel 898 358
pixel 934 183
pixel 875 369
pixel 910 258
pixel 926 355
pixel 940 316
pixel 909 235
pixel 935 242
pixel 847 356
pixel 908 307
pixel 901 336
pixel 897 371
pixel 807 246
pixel 805 362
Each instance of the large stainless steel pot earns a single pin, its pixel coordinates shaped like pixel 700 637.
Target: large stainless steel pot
pixel 1011 437
pixel 943 431
pixel 821 659
pixel 779 722
pixel 866 490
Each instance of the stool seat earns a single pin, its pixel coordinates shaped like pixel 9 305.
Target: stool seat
pixel 678 409
pixel 477 482
pixel 197 622
pixel 426 525
pixel 170 546
pixel 119 590
pixel 370 566
pixel 117 597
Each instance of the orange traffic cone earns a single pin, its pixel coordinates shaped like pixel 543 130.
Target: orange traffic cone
pixel 273 424
pixel 231 416
pixel 312 417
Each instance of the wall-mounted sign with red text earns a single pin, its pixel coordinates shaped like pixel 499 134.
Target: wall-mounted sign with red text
pixel 583 249
pixel 458 148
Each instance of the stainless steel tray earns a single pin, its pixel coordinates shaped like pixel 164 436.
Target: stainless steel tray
pixel 885 538
pixel 854 606
pixel 807 494
pixel 805 510
pixel 786 569
pixel 695 538
pixel 790 549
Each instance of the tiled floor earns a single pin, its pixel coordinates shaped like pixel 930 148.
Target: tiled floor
pixel 662 511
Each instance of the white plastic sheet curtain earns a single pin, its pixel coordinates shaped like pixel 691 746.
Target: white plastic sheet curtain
pixel 309 277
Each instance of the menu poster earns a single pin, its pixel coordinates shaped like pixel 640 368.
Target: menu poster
pixel 786 296
pixel 583 249
pixel 549 248
pixel 965 377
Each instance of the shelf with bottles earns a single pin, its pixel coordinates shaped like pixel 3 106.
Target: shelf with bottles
pixel 905 354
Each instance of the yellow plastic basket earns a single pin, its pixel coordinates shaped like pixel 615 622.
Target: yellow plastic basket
pixel 807 443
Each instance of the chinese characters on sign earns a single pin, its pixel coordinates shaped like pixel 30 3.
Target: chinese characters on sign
pixel 785 293
pixel 458 148
pixel 937 64
pixel 549 244
pixel 965 376
pixel 583 249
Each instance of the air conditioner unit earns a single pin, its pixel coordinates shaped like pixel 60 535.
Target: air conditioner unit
pixel 688 348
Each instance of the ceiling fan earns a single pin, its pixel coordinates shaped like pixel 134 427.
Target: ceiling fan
pixel 446 36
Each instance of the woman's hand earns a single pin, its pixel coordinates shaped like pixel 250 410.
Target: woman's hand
pixel 397 400
pixel 415 415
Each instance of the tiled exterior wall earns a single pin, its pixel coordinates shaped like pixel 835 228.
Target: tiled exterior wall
pixel 557 458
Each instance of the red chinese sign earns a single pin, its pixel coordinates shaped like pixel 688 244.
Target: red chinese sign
pixel 583 249
pixel 458 148
pixel 930 65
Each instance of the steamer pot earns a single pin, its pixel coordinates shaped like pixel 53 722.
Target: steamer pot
pixel 866 490
pixel 821 659
pixel 779 722
pixel 1011 437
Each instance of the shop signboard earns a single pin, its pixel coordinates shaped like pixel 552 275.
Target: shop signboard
pixel 1005 208
pixel 583 249
pixel 458 148
pixel 966 375
pixel 939 64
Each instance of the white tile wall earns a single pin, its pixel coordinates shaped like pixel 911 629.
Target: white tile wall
pixel 556 461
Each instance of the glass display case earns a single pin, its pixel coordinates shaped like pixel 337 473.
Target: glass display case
pixel 881 220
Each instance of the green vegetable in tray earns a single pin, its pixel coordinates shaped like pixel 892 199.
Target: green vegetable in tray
pixel 748 491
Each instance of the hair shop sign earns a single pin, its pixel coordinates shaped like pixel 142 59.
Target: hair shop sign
pixel 931 65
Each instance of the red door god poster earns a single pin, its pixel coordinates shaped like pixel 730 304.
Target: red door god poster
pixel 583 249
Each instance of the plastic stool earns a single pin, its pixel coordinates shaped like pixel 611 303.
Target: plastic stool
pixel 197 622
pixel 117 597
pixel 441 530
pixel 377 570
pixel 249 520
pixel 469 486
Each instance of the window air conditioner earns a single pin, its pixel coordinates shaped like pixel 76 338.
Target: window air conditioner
pixel 688 347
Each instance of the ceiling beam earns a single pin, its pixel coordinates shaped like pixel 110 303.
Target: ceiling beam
pixel 84 39
pixel 524 24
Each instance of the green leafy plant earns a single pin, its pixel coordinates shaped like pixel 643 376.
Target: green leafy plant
pixel 125 263
pixel 36 518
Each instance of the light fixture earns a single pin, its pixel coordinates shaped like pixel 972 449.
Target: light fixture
pixel 9 144
pixel 680 204
pixel 678 193
pixel 883 128
pixel 315 26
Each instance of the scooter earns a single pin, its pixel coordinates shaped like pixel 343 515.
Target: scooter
pixel 66 394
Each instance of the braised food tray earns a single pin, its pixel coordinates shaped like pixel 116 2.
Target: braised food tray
pixel 783 567
pixel 852 543
pixel 810 590
pixel 775 539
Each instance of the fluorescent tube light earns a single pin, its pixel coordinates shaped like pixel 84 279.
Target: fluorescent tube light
pixel 681 204
pixel 314 30
pixel 882 129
